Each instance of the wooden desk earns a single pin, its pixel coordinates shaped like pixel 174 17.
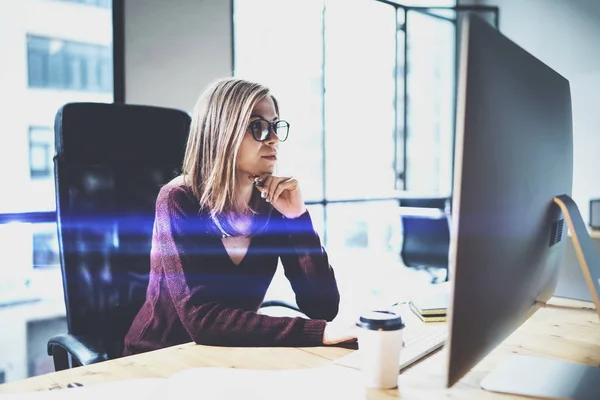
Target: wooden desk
pixel 555 331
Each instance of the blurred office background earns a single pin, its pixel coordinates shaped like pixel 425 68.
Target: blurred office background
pixel 367 85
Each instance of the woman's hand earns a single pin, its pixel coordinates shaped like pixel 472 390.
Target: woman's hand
pixel 340 332
pixel 282 192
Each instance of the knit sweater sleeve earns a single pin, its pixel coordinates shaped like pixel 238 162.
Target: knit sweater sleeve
pixel 306 265
pixel 196 293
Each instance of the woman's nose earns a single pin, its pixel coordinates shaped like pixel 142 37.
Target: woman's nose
pixel 273 138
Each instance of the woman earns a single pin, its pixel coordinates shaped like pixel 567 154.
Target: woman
pixel 219 230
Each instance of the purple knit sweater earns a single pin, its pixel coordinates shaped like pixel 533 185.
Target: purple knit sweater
pixel 196 293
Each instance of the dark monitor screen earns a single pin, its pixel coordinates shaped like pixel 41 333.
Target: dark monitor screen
pixel 513 155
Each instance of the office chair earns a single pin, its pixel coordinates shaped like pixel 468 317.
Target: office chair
pixel 111 161
pixel 425 225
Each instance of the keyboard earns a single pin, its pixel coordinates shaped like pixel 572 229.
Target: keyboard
pixel 417 344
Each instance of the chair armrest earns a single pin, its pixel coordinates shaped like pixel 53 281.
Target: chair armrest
pixel 82 350
pixel 280 303
pixel 295 310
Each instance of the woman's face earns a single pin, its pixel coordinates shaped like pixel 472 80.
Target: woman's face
pixel 254 157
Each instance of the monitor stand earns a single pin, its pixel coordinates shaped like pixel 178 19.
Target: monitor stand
pixel 551 378
pixel 544 378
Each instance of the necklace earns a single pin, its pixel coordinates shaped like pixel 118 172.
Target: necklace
pixel 224 234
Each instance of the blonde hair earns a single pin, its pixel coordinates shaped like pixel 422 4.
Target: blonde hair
pixel 219 122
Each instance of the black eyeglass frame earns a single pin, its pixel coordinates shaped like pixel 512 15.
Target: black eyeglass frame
pixel 272 128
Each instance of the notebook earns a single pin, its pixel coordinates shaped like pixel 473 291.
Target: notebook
pixel 432 305
pixel 428 315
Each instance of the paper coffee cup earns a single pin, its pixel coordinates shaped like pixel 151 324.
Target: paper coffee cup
pixel 379 346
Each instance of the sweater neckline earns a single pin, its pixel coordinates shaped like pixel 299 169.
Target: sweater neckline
pixel 248 251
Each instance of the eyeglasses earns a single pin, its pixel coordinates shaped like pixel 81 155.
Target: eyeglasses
pixel 261 129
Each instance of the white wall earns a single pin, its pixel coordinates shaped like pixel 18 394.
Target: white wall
pixel 565 34
pixel 175 48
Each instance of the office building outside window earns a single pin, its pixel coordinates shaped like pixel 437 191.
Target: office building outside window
pixel 53 52
pixel 96 3
pixel 41 151
pixel 66 65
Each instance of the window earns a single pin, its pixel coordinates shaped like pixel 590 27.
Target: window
pixel 45 247
pixel 370 112
pixel 66 65
pixel 54 52
pixel 297 45
pixel 96 3
pixel 359 101
pixel 41 151
pixel 430 100
pixel 38 331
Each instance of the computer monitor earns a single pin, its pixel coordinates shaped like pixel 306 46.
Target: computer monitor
pixel 513 156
